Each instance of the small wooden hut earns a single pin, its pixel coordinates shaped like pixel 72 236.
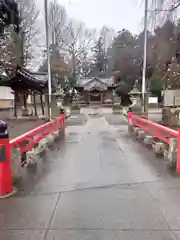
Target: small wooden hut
pixel 24 83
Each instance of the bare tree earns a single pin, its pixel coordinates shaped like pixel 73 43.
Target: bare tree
pixel 17 49
pixel 69 37
pixel 9 50
pixel 107 34
pixel 77 40
pixel 163 10
pixel 57 22
pixel 173 73
pixel 29 30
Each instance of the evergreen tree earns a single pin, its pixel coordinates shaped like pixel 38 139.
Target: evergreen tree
pixel 9 15
pixel 99 55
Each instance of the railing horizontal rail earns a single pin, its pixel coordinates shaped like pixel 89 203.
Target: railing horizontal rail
pixel 30 136
pixel 160 132
pixel 25 142
pixel 157 130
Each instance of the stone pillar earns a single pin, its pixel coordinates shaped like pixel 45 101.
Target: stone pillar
pixel 102 97
pixel 89 97
pixel 172 153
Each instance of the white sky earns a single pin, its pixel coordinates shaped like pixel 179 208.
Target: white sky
pixel 117 14
pixel 113 13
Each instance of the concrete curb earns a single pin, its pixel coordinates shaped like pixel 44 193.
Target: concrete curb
pixel 159 148
pixel 14 191
pixel 18 164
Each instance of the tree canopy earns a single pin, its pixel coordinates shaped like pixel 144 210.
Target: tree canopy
pixel 77 49
pixel 126 53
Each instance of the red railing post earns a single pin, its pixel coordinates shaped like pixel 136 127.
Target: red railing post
pixel 129 117
pixel 129 120
pixel 5 161
pixel 62 121
pixel 178 153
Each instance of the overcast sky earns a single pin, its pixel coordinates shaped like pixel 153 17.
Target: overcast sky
pixel 113 13
pixel 117 14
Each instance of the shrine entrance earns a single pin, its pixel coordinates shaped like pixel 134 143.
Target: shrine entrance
pixel 95 96
pixel 97 90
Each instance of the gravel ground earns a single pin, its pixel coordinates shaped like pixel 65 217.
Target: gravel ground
pixel 76 120
pixel 115 119
pixel 17 127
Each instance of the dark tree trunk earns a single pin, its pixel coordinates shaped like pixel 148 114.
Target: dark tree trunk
pixel 25 96
pixel 25 110
pixel 15 104
pixel 34 102
pixel 125 100
pixel 74 64
pixel 42 105
pixel 48 105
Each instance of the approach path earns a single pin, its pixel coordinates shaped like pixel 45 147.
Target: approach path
pixel 99 184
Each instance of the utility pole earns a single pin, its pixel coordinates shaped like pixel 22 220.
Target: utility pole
pixel 144 93
pixel 53 25
pixel 48 57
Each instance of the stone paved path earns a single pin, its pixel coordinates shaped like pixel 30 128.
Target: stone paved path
pixel 98 184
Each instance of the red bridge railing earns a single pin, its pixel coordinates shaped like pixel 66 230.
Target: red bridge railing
pixel 37 134
pixel 25 143
pixel 159 131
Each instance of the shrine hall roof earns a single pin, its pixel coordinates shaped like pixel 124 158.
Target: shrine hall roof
pixel 95 83
pixel 108 81
pixel 24 80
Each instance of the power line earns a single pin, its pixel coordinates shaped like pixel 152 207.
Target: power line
pixel 160 11
pixel 161 8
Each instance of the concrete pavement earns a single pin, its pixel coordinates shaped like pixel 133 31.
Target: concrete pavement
pixel 97 184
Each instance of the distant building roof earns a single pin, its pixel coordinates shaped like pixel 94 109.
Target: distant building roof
pixel 24 80
pixel 109 81
pixel 95 83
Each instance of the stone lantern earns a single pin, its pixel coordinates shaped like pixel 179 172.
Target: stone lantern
pixel 57 103
pixel 135 95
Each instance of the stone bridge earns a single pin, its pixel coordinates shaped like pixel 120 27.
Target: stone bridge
pixel 96 183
